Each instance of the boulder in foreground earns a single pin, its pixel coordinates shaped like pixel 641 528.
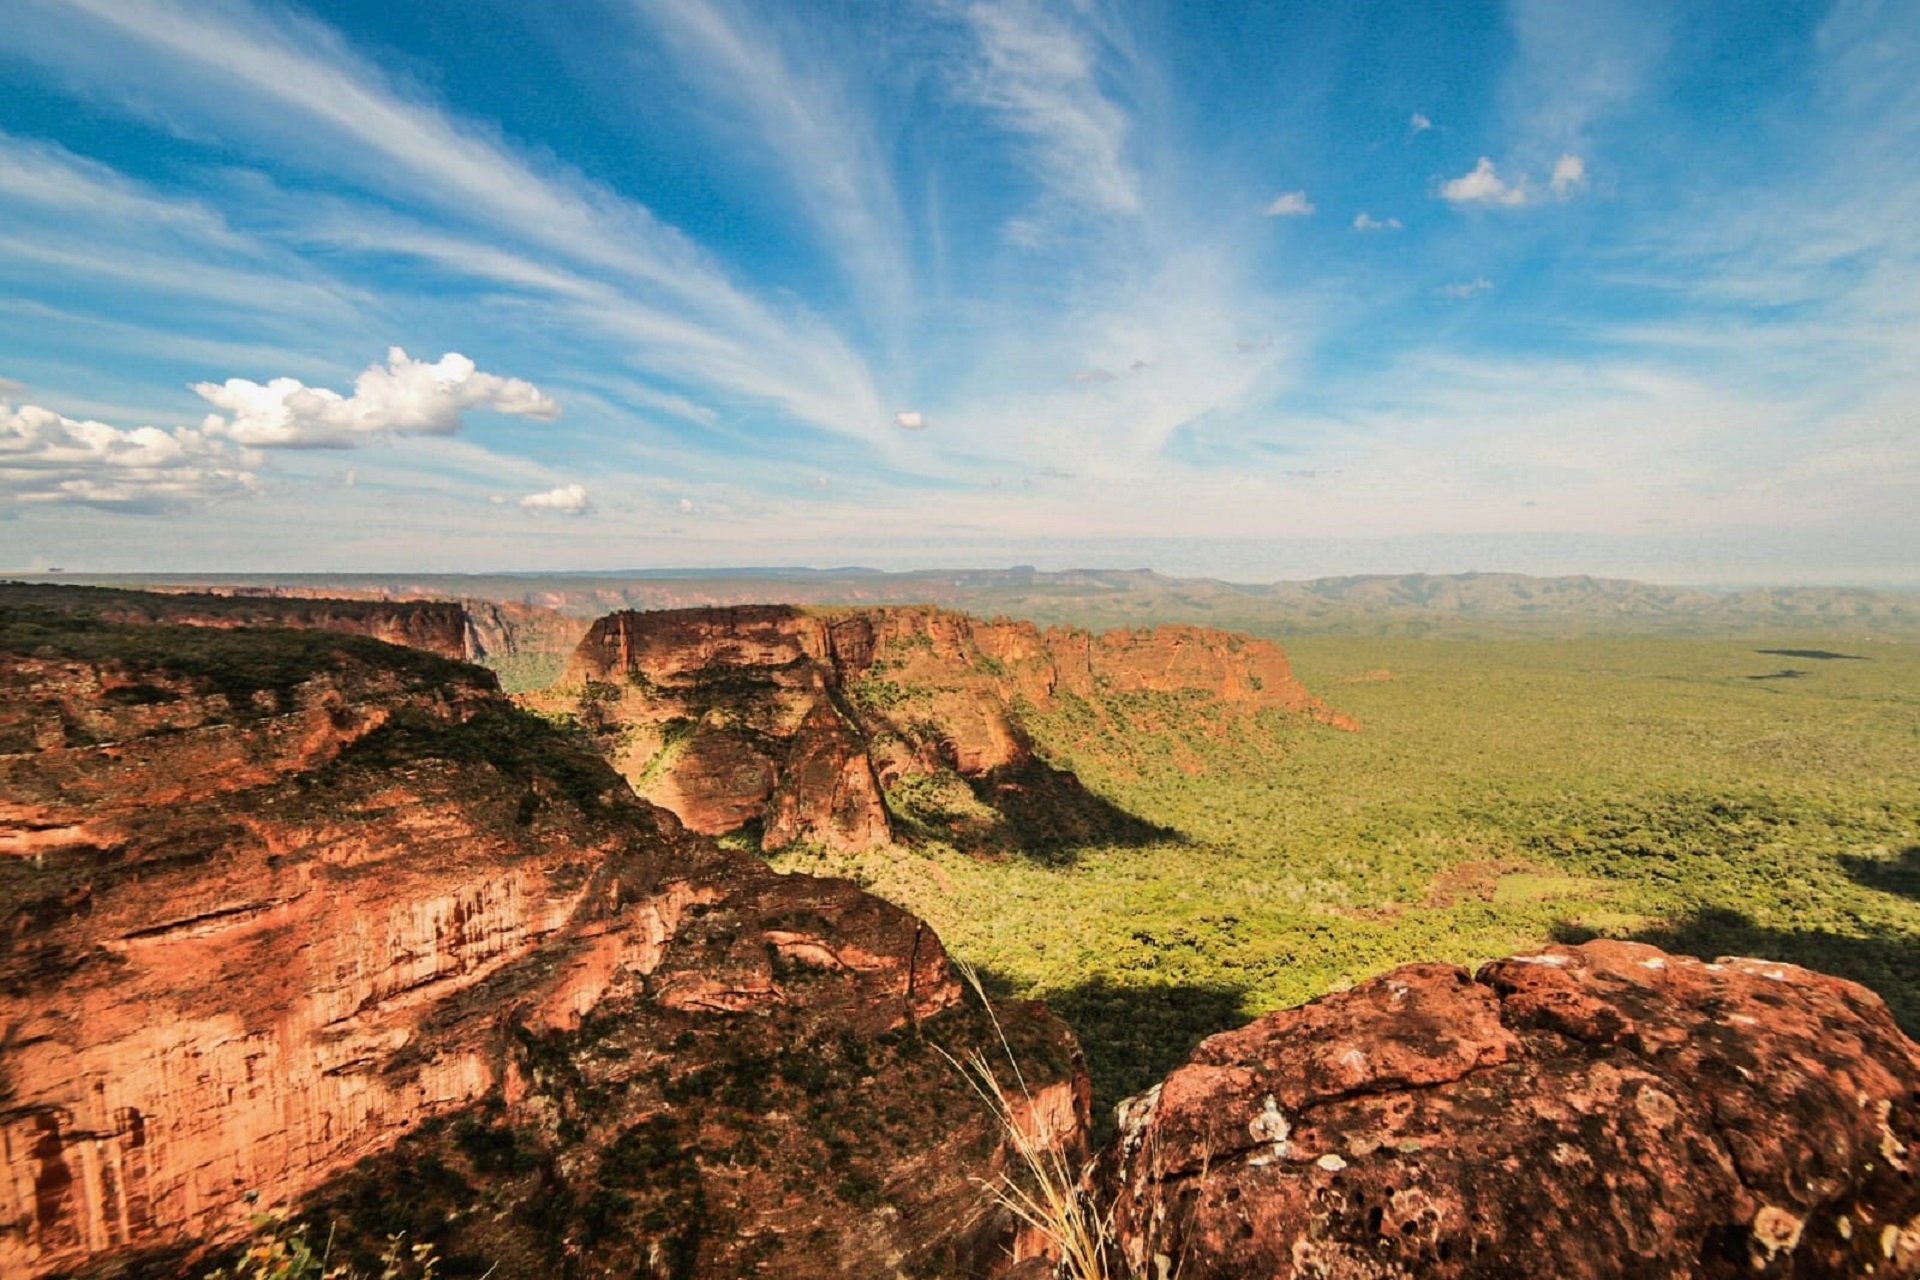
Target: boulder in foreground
pixel 1604 1110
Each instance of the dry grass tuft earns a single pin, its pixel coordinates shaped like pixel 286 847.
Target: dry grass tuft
pixel 1043 1189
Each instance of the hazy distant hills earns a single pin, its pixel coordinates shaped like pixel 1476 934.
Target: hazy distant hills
pixel 1465 605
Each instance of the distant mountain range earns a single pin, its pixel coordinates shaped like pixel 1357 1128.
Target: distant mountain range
pixel 1464 605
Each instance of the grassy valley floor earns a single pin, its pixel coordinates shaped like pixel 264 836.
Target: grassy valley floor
pixel 1756 797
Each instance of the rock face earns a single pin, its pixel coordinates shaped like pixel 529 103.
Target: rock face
pixel 437 627
pixel 806 722
pixel 273 903
pixel 515 638
pixel 1595 1111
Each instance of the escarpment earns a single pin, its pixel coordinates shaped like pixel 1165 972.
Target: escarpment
pixel 436 626
pixel 299 918
pixel 836 726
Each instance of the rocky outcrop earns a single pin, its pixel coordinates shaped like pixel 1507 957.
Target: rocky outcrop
pixel 805 721
pixel 1596 1111
pixel 274 903
pixel 437 627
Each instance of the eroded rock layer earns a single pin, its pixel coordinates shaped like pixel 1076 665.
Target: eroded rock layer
pixel 272 902
pixel 805 721
pixel 1596 1111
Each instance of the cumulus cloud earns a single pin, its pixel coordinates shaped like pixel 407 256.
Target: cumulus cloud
pixel 564 500
pixel 1292 204
pixel 1467 288
pixel 910 420
pixel 406 397
pixel 1419 123
pixel 1364 221
pixel 1483 186
pixel 48 458
pixel 1569 171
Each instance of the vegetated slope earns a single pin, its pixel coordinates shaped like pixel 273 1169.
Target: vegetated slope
pixel 1502 793
pixel 848 728
pixel 277 902
pixel 436 626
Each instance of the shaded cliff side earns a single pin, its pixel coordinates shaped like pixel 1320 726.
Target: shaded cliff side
pixel 841 726
pixel 436 626
pixel 274 903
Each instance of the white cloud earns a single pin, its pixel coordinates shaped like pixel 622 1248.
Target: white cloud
pixel 1364 221
pixel 1483 186
pixel 292 87
pixel 564 500
pixel 407 397
pixel 1293 204
pixel 9 388
pixel 1575 65
pixel 910 419
pixel 1039 75
pixel 46 457
pixel 1569 171
pixel 1467 288
pixel 1419 123
pixel 802 111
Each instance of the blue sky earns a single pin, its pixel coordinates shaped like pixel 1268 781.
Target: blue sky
pixel 1253 290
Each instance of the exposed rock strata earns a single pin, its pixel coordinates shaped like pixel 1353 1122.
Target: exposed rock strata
pixel 273 902
pixel 803 721
pixel 1596 1111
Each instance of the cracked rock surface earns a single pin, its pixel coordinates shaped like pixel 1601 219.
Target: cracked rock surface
pixel 1601 1110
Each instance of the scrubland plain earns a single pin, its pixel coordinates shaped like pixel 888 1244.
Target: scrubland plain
pixel 1751 796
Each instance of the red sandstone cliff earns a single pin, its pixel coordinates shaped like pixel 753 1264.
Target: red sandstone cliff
pixel 270 900
pixel 802 720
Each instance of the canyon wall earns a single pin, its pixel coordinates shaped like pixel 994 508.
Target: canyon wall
pixel 275 901
pixel 802 722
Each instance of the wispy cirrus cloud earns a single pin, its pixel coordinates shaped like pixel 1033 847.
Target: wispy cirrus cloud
pixel 1574 68
pixel 1038 71
pixel 286 77
pixel 992 265
pixel 798 110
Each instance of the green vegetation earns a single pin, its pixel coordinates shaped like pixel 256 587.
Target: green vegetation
pixel 1502 794
pixel 281 1251
pixel 520 745
pixel 254 667
pixel 523 672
